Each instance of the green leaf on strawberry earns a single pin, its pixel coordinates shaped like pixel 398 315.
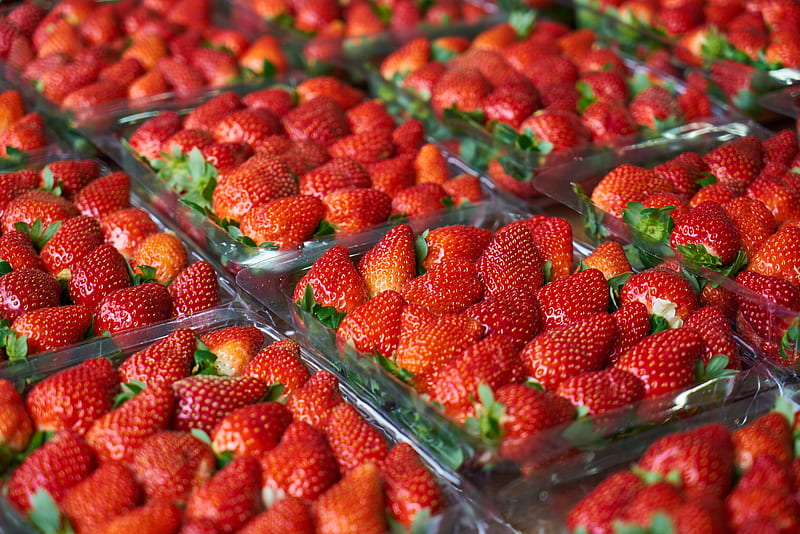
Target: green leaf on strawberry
pixel 522 21
pixel 453 113
pixel 614 286
pixel 658 323
pixel 205 360
pixel 662 125
pixel 16 346
pixel 404 375
pixel 5 268
pixel 697 256
pixel 327 315
pixel 46 516
pixel 789 340
pixel 37 232
pixel 488 413
pixel 325 228
pixel 708 179
pixel 50 183
pixel 592 217
pixel 650 227
pixel 717 367
pixel 128 391
pixel 421 250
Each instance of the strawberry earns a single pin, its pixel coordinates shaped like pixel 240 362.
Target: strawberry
pixel 553 238
pixel 451 287
pixel 164 252
pixel 279 100
pixel 233 347
pixel 610 259
pixel 354 504
pixel 195 289
pixel 778 255
pixel 218 67
pixel 169 465
pixel 604 86
pixel 184 79
pixel 26 290
pixel 665 361
pixel 117 434
pixel 55 467
pixel 302 465
pixel 354 210
pixel 602 391
pixel 684 172
pixel 74 240
pixel 493 361
pixel 338 173
pixel 737 162
pixel 754 222
pixel 624 184
pixel 328 86
pixel 333 281
pixel 656 107
pixel 775 194
pixel 279 362
pixel 561 353
pixel 374 327
pixel 419 200
pixel 666 294
pixel 706 235
pixel 763 506
pixel 464 189
pixel 289 514
pixel 207 115
pixel 633 325
pixel 124 72
pixel 369 115
pixel 246 125
pixel 703 456
pixel 512 313
pixel 202 401
pixel 562 130
pixel 18 250
pixel 283 222
pixel 229 498
pixel 410 486
pixel 596 511
pixel 569 299
pixel 147 139
pixel 462 241
pixel 16 427
pixel 353 441
pixel 464 88
pixel 313 401
pixel 426 350
pixel 109 491
pixel 33 205
pixel 183 141
pixel 49 329
pixel 390 263
pixel 132 307
pixel 769 435
pixel 59 82
pixel 251 430
pixel 125 229
pixel 368 147
pixel 321 120
pixel 607 120
pixel 259 179
pixel 511 259
pixel 26 134
pixel 71 175
pixel 226 156
pixel 13 184
pixel 780 149
pixel 713 326
pixel 776 337
pixel 96 275
pixel 406 59
pixel 153 516
pixel 84 100
pixel 409 136
pixel 167 360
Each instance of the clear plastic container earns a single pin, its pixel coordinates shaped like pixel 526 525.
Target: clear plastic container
pixel 785 102
pixel 110 136
pixel 466 511
pixel 228 291
pixel 453 444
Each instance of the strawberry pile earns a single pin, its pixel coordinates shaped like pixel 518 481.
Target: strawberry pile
pixel 77 260
pixel 84 53
pixel 266 446
pixel 20 131
pixel 733 210
pixel 472 318
pixel 278 167
pixel 540 86
pixel 707 479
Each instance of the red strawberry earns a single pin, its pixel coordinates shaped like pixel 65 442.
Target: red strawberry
pixel 289 514
pixel 419 200
pixel 153 516
pixel 163 251
pixel 665 361
pixel 451 287
pixel 764 507
pixel 96 275
pixel 151 134
pixel 328 86
pixel 70 175
pixel 610 259
pixel 26 134
pixel 753 220
pixel 16 427
pixel 561 353
pixel 25 290
pixel 769 435
pixel 716 331
pixel 52 328
pixel 354 504
pixel 167 360
pixel 94 95
pixel 13 184
pixel 569 299
pixel 354 210
pixel 464 88
pixel 109 491
pixel 596 511
pixel 633 325
pixel 684 172
pixel 353 441
pixel 602 391
pixel 230 498
pixel 246 125
pixel 33 205
pixel 409 136
pixel 313 401
pixel 666 294
pixel 627 183
pixel 195 289
pixel 369 115
pixel 333 281
pixel 73 241
pixel 302 465
pixel 18 250
pixel 251 430
pixel 406 59
pixel 169 465
pixel 234 347
pixel 493 361
pixel 426 350
pixel 513 313
pixel 119 433
pixel 336 174
pixel 562 130
pixel 454 241
pixel 365 148
pixel 74 398
pixel 203 400
pixel 706 235
pixel 184 79
pixel 279 100
pixel 125 229
pixel 259 179
pixel 553 238
pixel 61 463
pixel 284 222
pixel 392 175
pixel 511 259
pixel 656 107
pixel 390 263
pixel 279 362
pixel 410 486
pixel 703 456
pixel 107 194
pixel 774 192
pixel 779 255
pixel 737 162
pixel 321 120
pixel 132 307
pixel 59 82
pixel 374 327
